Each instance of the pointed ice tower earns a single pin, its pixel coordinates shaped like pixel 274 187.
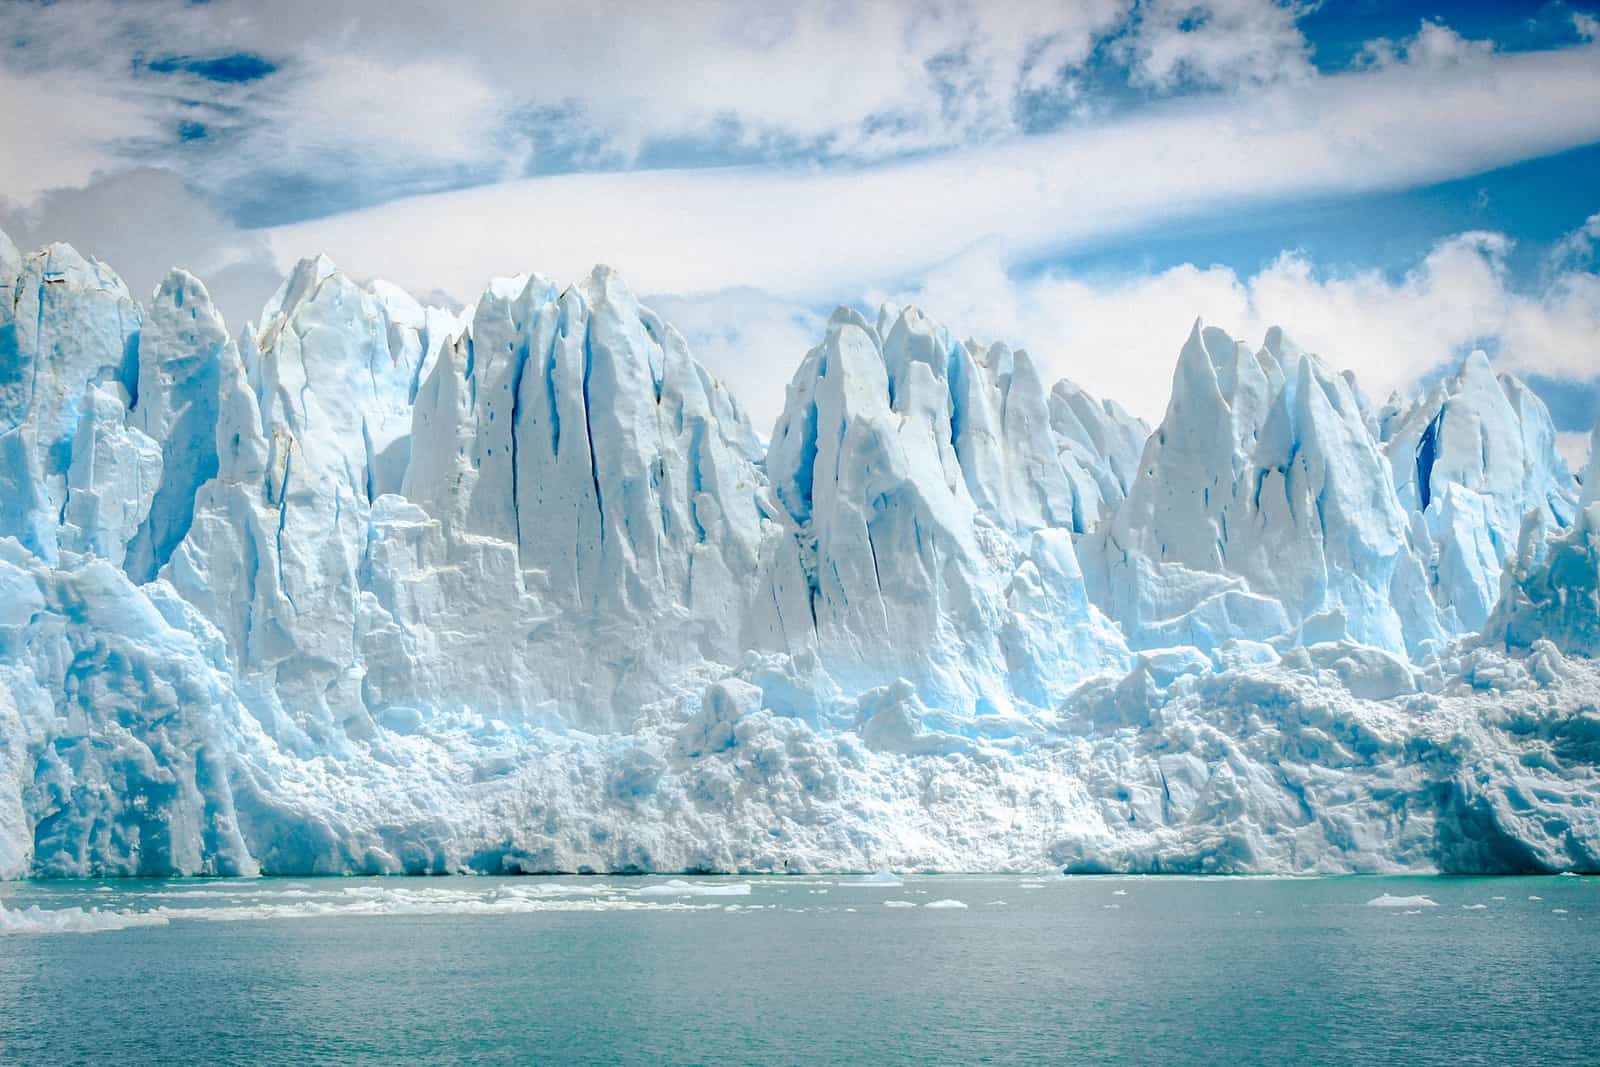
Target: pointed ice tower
pixel 69 343
pixel 181 353
pixel 1473 458
pixel 310 408
pixel 918 478
pixel 580 470
pixel 1263 509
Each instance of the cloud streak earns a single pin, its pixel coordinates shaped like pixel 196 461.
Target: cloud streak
pixel 822 233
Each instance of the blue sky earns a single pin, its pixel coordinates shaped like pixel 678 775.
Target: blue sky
pixel 1395 183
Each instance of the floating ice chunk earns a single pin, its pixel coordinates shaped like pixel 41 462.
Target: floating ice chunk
pixel 946 903
pixel 1119 893
pixel 1388 900
pixel 880 880
pixel 1473 907
pixel 37 920
pixel 899 904
pixel 677 887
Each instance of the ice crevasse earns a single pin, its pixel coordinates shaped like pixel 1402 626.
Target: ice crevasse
pixel 371 586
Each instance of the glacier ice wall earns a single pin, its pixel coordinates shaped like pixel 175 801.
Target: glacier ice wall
pixel 376 587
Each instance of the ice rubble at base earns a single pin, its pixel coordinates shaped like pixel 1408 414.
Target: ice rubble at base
pixel 379 588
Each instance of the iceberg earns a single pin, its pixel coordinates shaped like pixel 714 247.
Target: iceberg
pixel 375 587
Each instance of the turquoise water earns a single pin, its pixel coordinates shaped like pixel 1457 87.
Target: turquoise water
pixel 820 970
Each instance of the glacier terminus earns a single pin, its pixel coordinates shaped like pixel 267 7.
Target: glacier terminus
pixel 373 587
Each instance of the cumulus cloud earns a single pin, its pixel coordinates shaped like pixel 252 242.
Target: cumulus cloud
pixel 145 221
pixel 1574 446
pixel 1577 247
pixel 1433 46
pixel 751 340
pixel 481 89
pixel 58 132
pixel 1227 43
pixel 1120 337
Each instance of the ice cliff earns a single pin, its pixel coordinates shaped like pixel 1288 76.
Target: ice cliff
pixel 375 587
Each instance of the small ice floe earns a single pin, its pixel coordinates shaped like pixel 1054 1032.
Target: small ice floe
pixel 1032 885
pixel 1558 911
pixel 994 903
pixel 677 887
pixel 880 880
pixel 946 903
pixel 1388 900
pixel 1536 898
pixel 1119 893
pixel 37 920
pixel 899 904
pixel 1497 898
pixel 1112 907
pixel 1473 907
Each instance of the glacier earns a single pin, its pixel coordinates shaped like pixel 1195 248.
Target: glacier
pixel 374 587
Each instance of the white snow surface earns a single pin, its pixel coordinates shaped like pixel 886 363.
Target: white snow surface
pixel 377 588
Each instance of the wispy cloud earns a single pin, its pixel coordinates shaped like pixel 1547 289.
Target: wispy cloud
pixel 820 233
pixel 394 98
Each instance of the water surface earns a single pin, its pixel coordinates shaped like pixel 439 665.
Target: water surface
pixel 801 970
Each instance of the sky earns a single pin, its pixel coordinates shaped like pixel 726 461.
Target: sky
pixel 1395 184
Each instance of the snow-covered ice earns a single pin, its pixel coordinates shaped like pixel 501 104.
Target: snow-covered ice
pixel 371 587
pixel 1389 900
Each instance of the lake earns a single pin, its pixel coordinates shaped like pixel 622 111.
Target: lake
pixel 920 970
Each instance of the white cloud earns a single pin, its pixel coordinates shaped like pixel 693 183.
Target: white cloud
pixel 452 83
pixel 59 131
pixel 830 233
pixel 1588 26
pixel 1577 247
pixel 1574 448
pixel 143 222
pixel 1433 47
pixel 425 112
pixel 751 340
pixel 1120 338
pixel 1222 42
